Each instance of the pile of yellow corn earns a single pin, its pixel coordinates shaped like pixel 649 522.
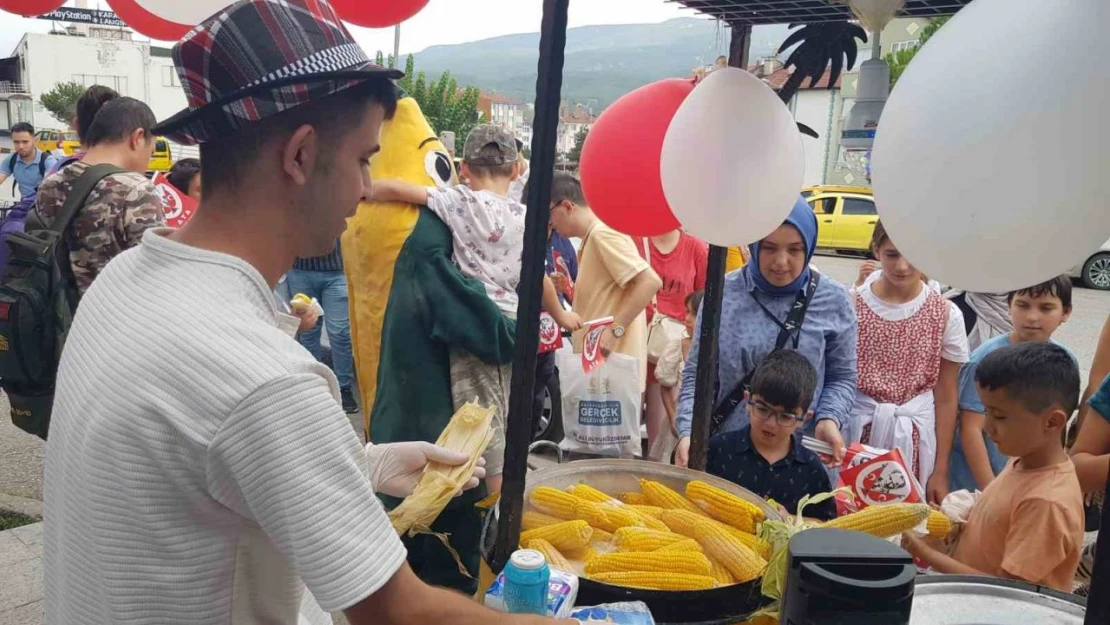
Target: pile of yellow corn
pixel 658 538
pixel 655 538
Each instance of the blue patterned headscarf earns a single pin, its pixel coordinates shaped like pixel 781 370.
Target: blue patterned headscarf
pixel 803 219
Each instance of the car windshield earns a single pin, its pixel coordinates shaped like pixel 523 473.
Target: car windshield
pixel 161 146
pixel 70 136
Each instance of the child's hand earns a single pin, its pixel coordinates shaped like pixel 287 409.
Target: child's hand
pixel 570 321
pixel 937 488
pixel 916 547
pixel 560 282
pixel 866 268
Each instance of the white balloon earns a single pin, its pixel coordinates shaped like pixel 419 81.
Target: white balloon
pixel 987 178
pixel 732 161
pixel 189 13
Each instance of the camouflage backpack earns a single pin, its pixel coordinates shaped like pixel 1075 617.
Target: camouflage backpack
pixel 38 298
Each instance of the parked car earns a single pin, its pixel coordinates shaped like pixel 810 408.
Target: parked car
pixel 1095 271
pixel 57 141
pixel 846 217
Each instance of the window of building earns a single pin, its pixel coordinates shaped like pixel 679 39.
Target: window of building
pixel 119 83
pixel 169 77
pixel 898 46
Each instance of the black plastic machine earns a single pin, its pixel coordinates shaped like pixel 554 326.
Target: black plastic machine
pixel 836 577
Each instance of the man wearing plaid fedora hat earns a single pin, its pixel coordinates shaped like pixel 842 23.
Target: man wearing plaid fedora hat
pixel 207 475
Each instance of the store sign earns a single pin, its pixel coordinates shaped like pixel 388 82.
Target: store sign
pixel 84 16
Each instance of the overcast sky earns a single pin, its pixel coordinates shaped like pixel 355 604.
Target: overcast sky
pixel 445 21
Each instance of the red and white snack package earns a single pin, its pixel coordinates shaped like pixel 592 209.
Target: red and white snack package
pixel 875 477
pixel 592 358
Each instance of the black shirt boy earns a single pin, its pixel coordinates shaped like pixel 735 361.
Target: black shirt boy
pixel 733 457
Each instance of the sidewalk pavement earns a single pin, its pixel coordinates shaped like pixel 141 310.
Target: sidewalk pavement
pixel 21 563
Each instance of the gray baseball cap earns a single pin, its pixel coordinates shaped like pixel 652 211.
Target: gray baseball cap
pixel 484 135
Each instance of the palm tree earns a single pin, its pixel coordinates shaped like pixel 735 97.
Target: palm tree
pixel 821 45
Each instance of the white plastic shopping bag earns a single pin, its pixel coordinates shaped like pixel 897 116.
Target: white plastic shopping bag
pixel 601 409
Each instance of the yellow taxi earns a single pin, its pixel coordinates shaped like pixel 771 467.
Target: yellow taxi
pixel 162 160
pixel 846 216
pixel 53 141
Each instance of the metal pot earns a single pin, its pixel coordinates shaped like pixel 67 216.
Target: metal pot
pixel 974 600
pixel 720 605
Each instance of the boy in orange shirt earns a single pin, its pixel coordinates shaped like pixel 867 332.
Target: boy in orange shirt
pixel 1028 523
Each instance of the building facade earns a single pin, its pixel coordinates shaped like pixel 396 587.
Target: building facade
pixel 133 68
pixel 572 120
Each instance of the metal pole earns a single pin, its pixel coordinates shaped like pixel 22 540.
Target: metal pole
pixel 518 432
pixel 397 46
pixel 705 382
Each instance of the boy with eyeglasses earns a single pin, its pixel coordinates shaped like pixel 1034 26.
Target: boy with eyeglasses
pixel 767 456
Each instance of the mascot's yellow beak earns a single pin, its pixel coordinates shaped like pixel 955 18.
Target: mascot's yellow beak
pixel 410 151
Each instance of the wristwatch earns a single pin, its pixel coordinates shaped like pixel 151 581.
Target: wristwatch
pixel 618 331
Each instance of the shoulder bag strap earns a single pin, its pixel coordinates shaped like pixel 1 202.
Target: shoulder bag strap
pixel 654 296
pixel 79 193
pixel 791 328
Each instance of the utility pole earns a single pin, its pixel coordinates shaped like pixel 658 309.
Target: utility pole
pixel 397 47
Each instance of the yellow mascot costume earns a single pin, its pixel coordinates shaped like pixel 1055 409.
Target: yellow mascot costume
pixel 409 307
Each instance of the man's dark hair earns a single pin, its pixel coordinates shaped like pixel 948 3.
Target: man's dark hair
pixel 117 119
pixel 183 172
pixel 879 236
pixel 1059 287
pixel 23 127
pixel 88 105
pixel 1040 375
pixel 565 186
pixel 226 160
pixel 785 378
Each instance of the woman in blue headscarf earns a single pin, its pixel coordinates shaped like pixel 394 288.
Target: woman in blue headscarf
pixel 757 302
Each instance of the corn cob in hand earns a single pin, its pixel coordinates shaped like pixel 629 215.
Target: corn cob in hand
pixel 883 521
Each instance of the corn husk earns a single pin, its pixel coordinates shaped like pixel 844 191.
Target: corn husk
pixel 469 431
pixel 779 533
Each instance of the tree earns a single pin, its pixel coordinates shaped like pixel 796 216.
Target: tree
pixel 61 101
pixel 898 61
pixel 579 141
pixel 446 106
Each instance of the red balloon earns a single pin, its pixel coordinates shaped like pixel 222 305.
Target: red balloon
pixel 30 8
pixel 147 23
pixel 377 13
pixel 619 165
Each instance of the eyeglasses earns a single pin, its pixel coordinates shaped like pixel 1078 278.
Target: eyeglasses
pixel 765 412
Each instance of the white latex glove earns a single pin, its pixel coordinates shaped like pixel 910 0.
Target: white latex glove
pixel 395 468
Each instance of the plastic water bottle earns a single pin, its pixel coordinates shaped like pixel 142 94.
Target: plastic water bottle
pixel 526 581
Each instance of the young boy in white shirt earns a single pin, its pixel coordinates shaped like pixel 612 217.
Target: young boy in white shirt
pixel 487 230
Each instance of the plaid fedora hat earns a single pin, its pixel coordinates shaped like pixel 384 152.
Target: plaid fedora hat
pixel 257 58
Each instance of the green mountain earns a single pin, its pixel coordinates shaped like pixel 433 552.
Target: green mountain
pixel 602 62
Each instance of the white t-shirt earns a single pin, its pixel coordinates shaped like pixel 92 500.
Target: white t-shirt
pixel 199 464
pixel 488 235
pixel 954 345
